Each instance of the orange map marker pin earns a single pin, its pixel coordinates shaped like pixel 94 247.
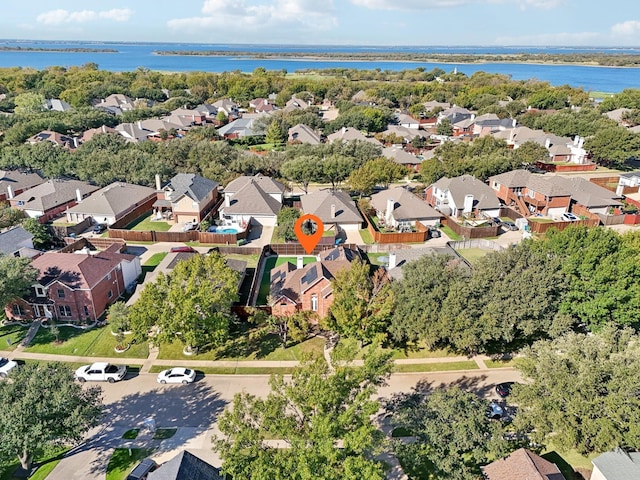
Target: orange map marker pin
pixel 308 241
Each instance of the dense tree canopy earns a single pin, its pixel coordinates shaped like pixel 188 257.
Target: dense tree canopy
pixel 191 305
pixel 16 277
pixel 322 415
pixel 581 391
pixel 43 406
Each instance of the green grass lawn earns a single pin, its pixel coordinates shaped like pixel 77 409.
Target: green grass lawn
pixel 131 434
pixel 411 351
pixel 367 238
pixel 155 259
pixel 271 263
pixel 145 224
pixel 164 433
pixel 47 462
pixel 11 335
pixel 472 254
pixel 500 363
pixel 540 219
pixel 248 345
pixel 96 342
pixel 375 258
pixel 252 260
pixel 450 233
pixel 436 367
pixel 121 463
pixel 237 370
pixel 568 460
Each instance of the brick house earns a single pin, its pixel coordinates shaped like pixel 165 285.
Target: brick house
pixel 308 287
pixel 76 286
pixel 187 197
pixel 522 464
pixel 462 195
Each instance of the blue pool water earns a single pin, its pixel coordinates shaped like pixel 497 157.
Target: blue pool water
pixel 225 230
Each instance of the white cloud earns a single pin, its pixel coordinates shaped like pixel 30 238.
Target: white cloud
pixel 234 15
pixel 60 16
pixel 628 28
pixel 430 4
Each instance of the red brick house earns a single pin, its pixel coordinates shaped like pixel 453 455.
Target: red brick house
pixel 76 286
pixel 308 288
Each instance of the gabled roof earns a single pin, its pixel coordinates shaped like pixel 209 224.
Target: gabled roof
pixel 52 193
pixel 18 180
pixel 545 185
pixel 347 134
pixel 407 133
pixel 133 132
pixel 76 270
pixel 12 240
pixel 193 186
pixel 319 203
pixel 155 125
pixel 56 138
pixel 185 466
pixel 523 465
pixel 587 193
pixel 484 197
pixel 618 464
pixel 304 134
pixel 113 199
pixel 57 105
pixel 400 155
pixel 252 200
pixel 406 205
pixel 92 132
pixel 243 127
pixel 267 184
pixel 408 255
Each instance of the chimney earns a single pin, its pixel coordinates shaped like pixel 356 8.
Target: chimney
pixel 576 140
pixel 620 190
pixel 581 142
pixel 389 211
pixel 468 203
pixel 299 262
pixel 158 182
pixel 9 192
pixel 344 129
pixel 139 124
pixel 78 195
pixel 392 260
pixel 227 200
pixel 547 143
pixel 333 210
pixel 513 124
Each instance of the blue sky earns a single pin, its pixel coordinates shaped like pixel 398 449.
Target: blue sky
pixel 329 22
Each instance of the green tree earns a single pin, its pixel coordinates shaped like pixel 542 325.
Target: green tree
pixel 40 232
pixel 579 391
pixel 453 435
pixel 42 407
pixel 287 217
pixel 10 217
pixel 613 146
pixel 276 132
pixel 312 412
pixel 302 171
pixel 16 277
pixel 362 303
pixel 294 327
pixel 444 127
pixel 29 103
pixel 336 169
pixel 191 305
pixel 118 317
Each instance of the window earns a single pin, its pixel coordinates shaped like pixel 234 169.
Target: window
pixel 61 293
pixel 86 310
pixel 16 309
pixel 40 292
pixel 314 302
pixel 64 310
pixel 110 294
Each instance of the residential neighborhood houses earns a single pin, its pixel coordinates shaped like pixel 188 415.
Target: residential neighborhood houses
pixel 106 243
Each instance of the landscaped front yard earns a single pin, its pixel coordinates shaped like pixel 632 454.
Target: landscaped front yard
pixel 95 342
pixel 11 335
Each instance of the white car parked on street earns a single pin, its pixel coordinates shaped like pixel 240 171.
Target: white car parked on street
pixel 177 375
pixel 6 366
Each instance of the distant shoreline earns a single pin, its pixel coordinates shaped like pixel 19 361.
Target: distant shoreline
pixel 5 48
pixel 582 59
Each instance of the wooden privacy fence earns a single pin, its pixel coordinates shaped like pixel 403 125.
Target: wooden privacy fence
pixel 421 235
pixel 471 232
pixel 179 237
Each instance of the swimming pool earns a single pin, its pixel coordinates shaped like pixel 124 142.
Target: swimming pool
pixel 215 229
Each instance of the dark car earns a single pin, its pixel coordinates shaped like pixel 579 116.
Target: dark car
pixel 183 248
pixel 509 226
pixel 434 233
pixel 504 389
pixel 141 470
pixel 99 228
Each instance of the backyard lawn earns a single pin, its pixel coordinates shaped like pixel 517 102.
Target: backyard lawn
pixel 450 233
pixel 95 342
pixel 123 460
pixel 145 224
pixel 366 236
pixel 271 263
pixel 472 255
pixel 248 345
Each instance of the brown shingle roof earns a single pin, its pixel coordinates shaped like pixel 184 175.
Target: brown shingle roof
pixel 319 203
pixel 522 465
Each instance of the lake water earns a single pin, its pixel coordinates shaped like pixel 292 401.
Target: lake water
pixel 130 56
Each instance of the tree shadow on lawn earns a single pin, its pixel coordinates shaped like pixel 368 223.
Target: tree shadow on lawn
pixel 195 406
pixel 248 342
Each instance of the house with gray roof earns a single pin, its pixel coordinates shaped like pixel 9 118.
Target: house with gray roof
pixel 302 133
pixel 336 209
pixel 133 132
pixel 186 466
pixel 14 182
pixel 57 105
pixel 616 465
pixel 349 134
pixel 463 195
pixel 399 208
pixel 251 199
pixel 402 157
pixel 16 242
pixel 228 106
pixel 186 198
pixel 595 198
pixel 111 203
pixel 67 142
pixel 398 259
pixel 243 127
pixel 52 198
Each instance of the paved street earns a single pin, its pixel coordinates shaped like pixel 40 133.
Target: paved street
pixel 194 409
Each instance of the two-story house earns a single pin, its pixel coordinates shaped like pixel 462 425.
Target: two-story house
pixel 463 195
pixel 14 182
pixel 400 209
pixel 252 199
pixel 308 287
pixel 186 198
pixel 76 286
